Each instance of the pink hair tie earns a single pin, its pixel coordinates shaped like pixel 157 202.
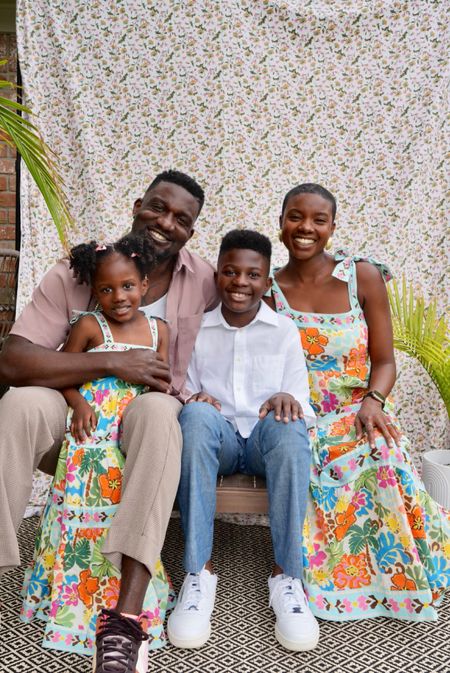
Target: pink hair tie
pixel 135 254
pixel 100 248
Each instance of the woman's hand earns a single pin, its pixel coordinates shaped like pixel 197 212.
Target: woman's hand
pixel 83 422
pixel 204 397
pixel 371 416
pixel 284 406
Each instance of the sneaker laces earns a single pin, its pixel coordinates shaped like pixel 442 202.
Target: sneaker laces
pixel 192 592
pixel 290 592
pixel 117 640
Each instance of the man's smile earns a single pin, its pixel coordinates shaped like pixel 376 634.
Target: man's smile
pixel 158 236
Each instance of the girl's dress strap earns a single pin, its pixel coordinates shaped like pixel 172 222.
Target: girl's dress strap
pixel 153 325
pixel 106 330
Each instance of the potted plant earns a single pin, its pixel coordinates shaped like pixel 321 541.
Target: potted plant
pixel 421 333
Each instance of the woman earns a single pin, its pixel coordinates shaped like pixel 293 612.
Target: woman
pixel 376 544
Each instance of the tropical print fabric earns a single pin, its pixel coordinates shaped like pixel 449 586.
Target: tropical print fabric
pixel 70 580
pixel 375 543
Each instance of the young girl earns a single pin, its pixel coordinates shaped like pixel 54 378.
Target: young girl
pixel 376 544
pixel 70 580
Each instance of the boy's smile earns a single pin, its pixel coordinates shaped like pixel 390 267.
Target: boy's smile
pixel 242 280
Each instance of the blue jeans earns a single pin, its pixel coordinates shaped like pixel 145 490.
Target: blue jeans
pixel 278 451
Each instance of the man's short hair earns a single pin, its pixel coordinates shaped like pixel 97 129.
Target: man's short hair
pixel 183 180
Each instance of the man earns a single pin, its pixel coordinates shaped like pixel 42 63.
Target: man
pixel 32 416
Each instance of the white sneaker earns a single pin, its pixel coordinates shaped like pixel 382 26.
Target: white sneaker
pixel 189 623
pixel 296 627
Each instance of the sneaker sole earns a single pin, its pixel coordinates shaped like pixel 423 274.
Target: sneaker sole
pixel 192 643
pixel 295 645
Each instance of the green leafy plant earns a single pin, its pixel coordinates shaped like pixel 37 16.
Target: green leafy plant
pixel 19 132
pixel 421 333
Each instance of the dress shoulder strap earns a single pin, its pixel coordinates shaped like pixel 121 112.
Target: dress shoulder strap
pixel 153 325
pixel 103 324
pixel 277 295
pixel 353 286
pixel 345 270
pixel 106 330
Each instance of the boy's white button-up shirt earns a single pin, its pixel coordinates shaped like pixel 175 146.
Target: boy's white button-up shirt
pixel 243 366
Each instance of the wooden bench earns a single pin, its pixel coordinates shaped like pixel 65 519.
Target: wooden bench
pixel 241 494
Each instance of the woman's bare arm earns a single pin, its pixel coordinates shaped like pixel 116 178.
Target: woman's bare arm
pixel 373 298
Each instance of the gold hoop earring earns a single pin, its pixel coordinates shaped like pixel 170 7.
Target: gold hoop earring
pixel 329 244
pixel 280 236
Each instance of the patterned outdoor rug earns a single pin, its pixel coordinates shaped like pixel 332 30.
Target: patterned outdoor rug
pixel 243 640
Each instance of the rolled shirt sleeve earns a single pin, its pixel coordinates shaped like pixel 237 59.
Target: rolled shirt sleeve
pixel 45 320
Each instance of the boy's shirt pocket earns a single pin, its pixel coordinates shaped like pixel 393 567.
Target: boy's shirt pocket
pixel 266 374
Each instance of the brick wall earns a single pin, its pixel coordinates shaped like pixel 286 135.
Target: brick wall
pixel 8 50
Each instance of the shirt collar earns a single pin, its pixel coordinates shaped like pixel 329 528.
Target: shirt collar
pixel 183 259
pixel 215 317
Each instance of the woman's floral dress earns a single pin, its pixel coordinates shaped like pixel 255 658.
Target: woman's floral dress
pixel 375 543
pixel 70 580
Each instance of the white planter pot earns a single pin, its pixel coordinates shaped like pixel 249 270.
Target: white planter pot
pixel 436 475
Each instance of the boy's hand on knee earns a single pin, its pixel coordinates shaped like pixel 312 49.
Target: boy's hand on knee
pixel 284 406
pixel 204 397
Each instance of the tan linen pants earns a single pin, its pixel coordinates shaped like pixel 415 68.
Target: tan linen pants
pixel 32 424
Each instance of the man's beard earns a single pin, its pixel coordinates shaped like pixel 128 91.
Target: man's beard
pixel 162 255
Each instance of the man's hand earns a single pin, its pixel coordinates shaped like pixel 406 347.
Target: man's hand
pixel 83 422
pixel 142 366
pixel 284 406
pixel 204 397
pixel 23 363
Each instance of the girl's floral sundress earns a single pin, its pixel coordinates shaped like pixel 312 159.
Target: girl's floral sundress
pixel 70 580
pixel 375 543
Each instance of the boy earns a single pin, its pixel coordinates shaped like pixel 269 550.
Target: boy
pixel 237 420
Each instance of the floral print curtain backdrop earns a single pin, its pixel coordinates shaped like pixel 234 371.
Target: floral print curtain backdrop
pixel 250 97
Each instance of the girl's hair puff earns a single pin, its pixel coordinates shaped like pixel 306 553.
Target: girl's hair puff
pixel 84 258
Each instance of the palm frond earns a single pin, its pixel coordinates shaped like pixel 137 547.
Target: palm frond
pixel 20 133
pixel 419 332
